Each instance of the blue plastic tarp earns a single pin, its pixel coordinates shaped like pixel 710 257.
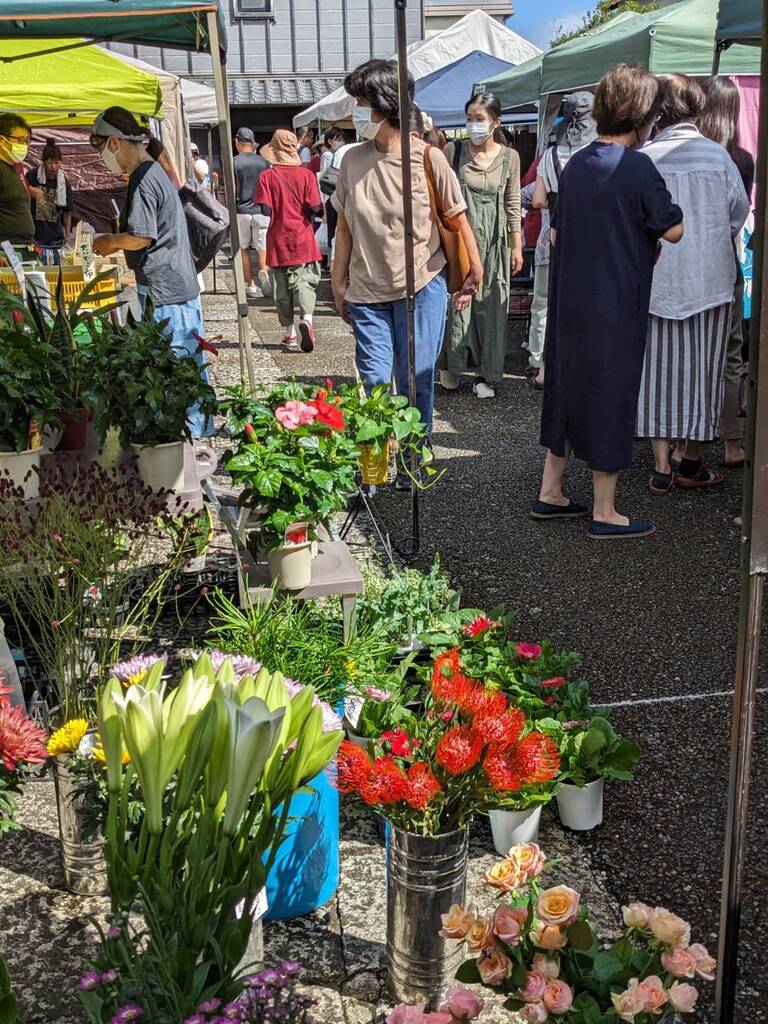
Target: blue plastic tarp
pixel 443 94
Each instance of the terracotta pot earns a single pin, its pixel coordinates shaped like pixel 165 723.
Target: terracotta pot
pixel 73 436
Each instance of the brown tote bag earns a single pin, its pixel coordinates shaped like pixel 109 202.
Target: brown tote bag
pixel 452 242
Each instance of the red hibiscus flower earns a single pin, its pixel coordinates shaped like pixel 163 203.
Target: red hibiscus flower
pixel 553 684
pixel 528 652
pixel 459 749
pixel 354 767
pixel 400 742
pixel 208 346
pixel 479 625
pixel 386 783
pixel 21 742
pixel 536 758
pixel 423 787
pixel 250 432
pixel 501 731
pixel 328 415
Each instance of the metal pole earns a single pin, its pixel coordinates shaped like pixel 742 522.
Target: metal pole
pixel 410 274
pixel 754 566
pixel 228 180
pixel 210 172
pixel 720 45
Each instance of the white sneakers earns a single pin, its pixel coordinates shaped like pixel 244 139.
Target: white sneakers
pixel 482 390
pixel 252 291
pixel 265 283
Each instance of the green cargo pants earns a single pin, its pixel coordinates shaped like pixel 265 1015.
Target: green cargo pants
pixel 295 286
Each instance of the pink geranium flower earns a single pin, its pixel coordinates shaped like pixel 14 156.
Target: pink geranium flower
pixel 295 414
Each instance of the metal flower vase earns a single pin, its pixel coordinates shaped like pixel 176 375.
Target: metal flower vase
pixel 85 868
pixel 425 875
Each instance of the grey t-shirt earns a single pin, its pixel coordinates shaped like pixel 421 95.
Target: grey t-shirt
pixel 249 167
pixel 165 266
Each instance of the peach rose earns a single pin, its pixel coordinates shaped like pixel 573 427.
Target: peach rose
pixel 533 992
pixel 548 936
pixel 558 997
pixel 705 964
pixel 548 966
pixel 629 1003
pixel 682 997
pixel 680 963
pixel 637 915
pixel 653 993
pixel 558 905
pixel 529 859
pixel 534 1013
pixel 505 876
pixel 507 924
pixel 494 966
pixel 462 1004
pixel 456 923
pixel 479 936
pixel 669 928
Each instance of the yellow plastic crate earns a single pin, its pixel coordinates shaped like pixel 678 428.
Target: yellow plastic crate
pixel 8 280
pixel 73 284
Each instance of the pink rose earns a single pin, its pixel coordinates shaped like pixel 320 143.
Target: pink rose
pixel 439 1017
pixel 534 988
pixel 494 966
pixel 653 993
pixel 548 967
pixel 558 997
pixel 536 1013
pixel 403 1014
pixel 669 928
pixel 636 915
pixel 479 936
pixel 680 963
pixel 528 652
pixel 507 924
pixel 456 923
pixel 463 1004
pixel 529 859
pixel 629 1003
pixel 558 905
pixel 682 997
pixel 548 936
pixel 705 964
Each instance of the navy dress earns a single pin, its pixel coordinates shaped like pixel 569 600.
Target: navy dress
pixel 612 208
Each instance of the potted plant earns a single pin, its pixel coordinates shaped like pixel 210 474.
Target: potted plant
pixel 143 388
pixel 541 950
pixel 31 399
pixel 469 749
pixel 296 462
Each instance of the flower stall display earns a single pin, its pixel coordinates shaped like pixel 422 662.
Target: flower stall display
pixel 471 751
pixel 541 949
pixel 213 756
pixel 296 461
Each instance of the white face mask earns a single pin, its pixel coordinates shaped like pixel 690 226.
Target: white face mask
pixel 366 128
pixel 109 159
pixel 479 131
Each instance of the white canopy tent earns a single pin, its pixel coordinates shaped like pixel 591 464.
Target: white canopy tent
pixel 199 104
pixel 475 31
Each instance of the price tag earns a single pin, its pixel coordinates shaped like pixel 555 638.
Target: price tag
pixel 353 708
pixel 15 264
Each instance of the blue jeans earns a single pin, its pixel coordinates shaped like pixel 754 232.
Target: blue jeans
pixel 185 321
pixel 381 340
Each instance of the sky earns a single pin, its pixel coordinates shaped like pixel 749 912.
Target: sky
pixel 538 20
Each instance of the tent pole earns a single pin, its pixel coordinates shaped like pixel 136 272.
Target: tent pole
pixel 228 176
pixel 720 45
pixel 410 274
pixel 754 567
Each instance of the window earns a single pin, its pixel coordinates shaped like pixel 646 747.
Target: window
pixel 253 8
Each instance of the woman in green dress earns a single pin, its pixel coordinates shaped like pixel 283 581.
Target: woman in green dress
pixel 476 337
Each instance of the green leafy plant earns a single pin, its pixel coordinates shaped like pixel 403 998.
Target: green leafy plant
pixel 378 416
pixel 141 386
pixel 29 384
pixel 591 749
pixel 8 1013
pixel 191 532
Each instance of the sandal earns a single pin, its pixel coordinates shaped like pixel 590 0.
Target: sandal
pixel 661 484
pixel 701 476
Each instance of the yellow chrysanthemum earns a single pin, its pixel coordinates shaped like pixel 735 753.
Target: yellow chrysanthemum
pixel 101 757
pixel 135 679
pixel 67 738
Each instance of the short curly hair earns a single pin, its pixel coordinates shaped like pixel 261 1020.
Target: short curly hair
pixel 376 82
pixel 626 98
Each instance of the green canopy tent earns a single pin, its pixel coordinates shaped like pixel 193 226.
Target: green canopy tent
pixel 740 21
pixel 70 87
pixel 180 24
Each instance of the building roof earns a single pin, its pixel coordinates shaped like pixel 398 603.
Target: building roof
pixel 502 9
pixel 285 91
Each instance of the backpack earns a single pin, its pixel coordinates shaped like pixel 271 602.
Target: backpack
pixel 207 223
pixel 329 179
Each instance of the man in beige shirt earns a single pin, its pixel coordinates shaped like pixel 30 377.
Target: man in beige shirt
pixel 369 269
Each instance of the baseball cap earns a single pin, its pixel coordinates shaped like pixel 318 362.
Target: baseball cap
pixel 194 148
pixel 245 135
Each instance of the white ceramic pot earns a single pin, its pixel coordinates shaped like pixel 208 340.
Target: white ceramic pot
pixel 581 807
pixel 512 827
pixel 161 466
pixel 292 565
pixel 22 469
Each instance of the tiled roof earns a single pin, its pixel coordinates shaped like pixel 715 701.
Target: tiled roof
pixel 287 92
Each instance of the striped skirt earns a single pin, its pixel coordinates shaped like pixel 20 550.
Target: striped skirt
pixel 682 386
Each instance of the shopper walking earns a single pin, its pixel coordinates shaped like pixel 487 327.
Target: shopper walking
pixel 51 203
pixel 251 223
pixel 612 209
pixel 153 235
pixel 693 287
pixel 720 122
pixel 369 266
pixel 489 174
pixel 288 194
pixel 17 225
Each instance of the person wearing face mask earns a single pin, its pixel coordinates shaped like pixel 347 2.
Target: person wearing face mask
pixel 612 210
pixel 369 267
pixel 17 224
pixel 153 235
pixel 52 209
pixel 489 173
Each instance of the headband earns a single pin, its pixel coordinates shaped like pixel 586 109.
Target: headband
pixel 104 128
